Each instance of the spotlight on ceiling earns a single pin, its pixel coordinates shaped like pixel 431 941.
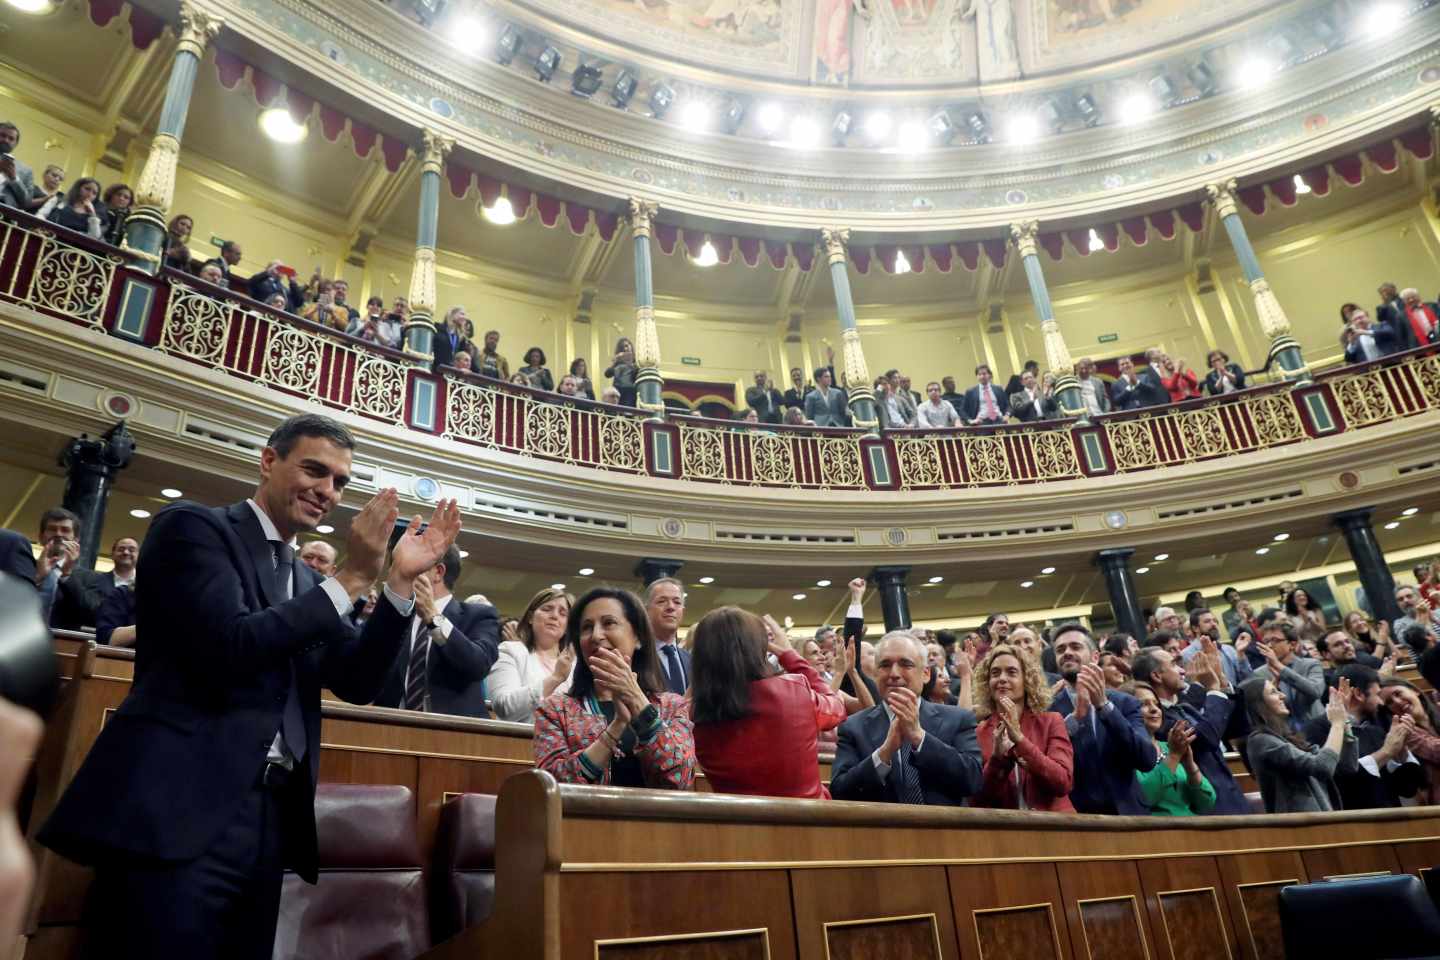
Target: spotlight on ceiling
pixel 586 571
pixel 1163 91
pixel 1142 569
pixel 281 127
pixel 840 127
pixel 173 493
pixel 978 127
pixel 1094 242
pixel 902 263
pixel 623 89
pixel 1407 512
pixel 586 81
pixel 1021 129
pixel 32 6
pixel 804 133
pixel 660 100
pixel 941 127
pixel 507 44
pixel 912 137
pixel 547 63
pixel 1254 72
pixel 1202 78
pixel 469 34
pixel 1136 108
pixel 695 115
pixel 709 256
pixel 1392 525
pixel 1049 114
pixel 732 116
pixel 1089 112
pixel 325 528
pixel 770 118
pixel 1381 20
pixel 877 125
pixel 501 212
pixel 1301 187
pixel 1026 584
pixel 1262 551
pixel 707 580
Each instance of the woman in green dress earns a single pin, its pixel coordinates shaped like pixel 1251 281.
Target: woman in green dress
pixel 1174 787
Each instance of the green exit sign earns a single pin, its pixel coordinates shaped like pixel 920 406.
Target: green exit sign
pixel 1109 337
pixel 217 241
pixel 690 361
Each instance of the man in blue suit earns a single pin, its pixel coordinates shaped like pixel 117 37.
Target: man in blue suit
pixel 665 609
pixel 200 789
pixel 1110 740
pixel 984 403
pixel 905 749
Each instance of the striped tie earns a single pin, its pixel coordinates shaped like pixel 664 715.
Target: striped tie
pixel 910 789
pixel 415 687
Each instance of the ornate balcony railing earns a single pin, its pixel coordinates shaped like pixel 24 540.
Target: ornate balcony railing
pixel 68 276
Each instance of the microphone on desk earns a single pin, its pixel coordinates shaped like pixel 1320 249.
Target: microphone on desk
pixel 27 664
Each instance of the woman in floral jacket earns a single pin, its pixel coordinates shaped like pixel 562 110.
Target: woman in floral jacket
pixel 616 725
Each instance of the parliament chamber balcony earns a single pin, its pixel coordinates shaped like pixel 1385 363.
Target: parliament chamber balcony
pixel 746 191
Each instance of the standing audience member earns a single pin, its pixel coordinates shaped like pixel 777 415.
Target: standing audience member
pixel 1372 639
pixel 665 611
pixel 581 372
pixel 794 396
pixel 115 620
pixel 616 725
pixel 1386 770
pixel 535 663
pixel 489 362
pixel 764 399
pixel 1224 377
pixel 535 370
pixel 1305 614
pixel 116 200
pixel 78 211
pixel 825 405
pixel 320 557
pixel 1093 392
pixel 230 256
pixel 1029 762
pixel 374 326
pixel 1029 403
pixel 905 750
pixel 985 404
pixel 935 413
pixel 622 371
pixel 1204 624
pixel 325 311
pixel 73 593
pixel 756 730
pixel 1176 377
pixel 452 646
pixel 1166 791
pixel 17 180
pixel 1294 775
pixel 1300 680
pixel 1129 392
pixel 450 340
pixel 1013 384
pixel 1415 613
pixel 124 555
pixel 274 280
pixel 177 242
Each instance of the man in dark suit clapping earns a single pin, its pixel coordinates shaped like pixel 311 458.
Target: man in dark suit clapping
pixel 905 749
pixel 200 789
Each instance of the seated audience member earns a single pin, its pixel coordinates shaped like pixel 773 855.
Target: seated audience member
pixel 1178 379
pixel 74 594
pixel 1165 790
pixel 935 412
pixel 1203 623
pixel 1422 732
pixel 1415 613
pixel 1028 760
pixel 116 200
pixel 764 399
pixel 535 663
pixel 748 415
pixel 1093 392
pixel 325 310
pixel 1337 651
pixel 230 256
pixel 580 370
pixel 375 326
pixel 825 406
pixel 1386 770
pixel 568 386
pixel 450 340
pixel 985 404
pixel 489 362
pixel 1107 737
pixel 1362 340
pixel 1205 706
pixel 617 724
pixel 177 240
pixel 1300 680
pixel 795 417
pixel 1116 668
pixel 622 371
pixel 319 556
pixel 452 646
pixel 1224 377
pixel 273 281
pixel 756 730
pixel 463 363
pixel 1294 775
pixel 1029 403
pixel 78 210
pixel 611 396
pixel 277 301
pixel 115 620
pixel 535 370
pixel 48 188
pixel 1305 614
pixel 1372 639
pixel 905 750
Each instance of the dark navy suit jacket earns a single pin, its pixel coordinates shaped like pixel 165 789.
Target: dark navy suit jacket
pixel 214 654
pixel 948 760
pixel 457 670
pixel 1209 715
pixel 1108 756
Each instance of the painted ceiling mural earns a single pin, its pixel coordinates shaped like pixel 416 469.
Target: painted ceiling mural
pixel 864 42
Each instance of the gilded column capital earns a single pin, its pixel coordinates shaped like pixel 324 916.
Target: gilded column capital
pixel 435 149
pixel 1024 235
pixel 642 215
pixel 1222 196
pixel 857 372
pixel 196 28
pixel 422 282
pixel 647 339
pixel 156 186
pixel 835 239
pixel 1273 320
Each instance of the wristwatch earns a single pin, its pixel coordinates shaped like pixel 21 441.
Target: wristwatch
pixel 437 626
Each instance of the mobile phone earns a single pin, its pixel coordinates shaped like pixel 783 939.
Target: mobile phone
pixel 286 271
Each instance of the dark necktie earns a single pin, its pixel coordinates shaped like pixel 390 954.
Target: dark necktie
pixel 910 789
pixel 673 669
pixel 416 685
pixel 292 723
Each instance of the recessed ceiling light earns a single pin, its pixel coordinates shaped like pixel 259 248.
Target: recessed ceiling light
pixel 1262 551
pixel 1047 571
pixel 1281 537
pixel 32 6
pixel 707 579
pixel 586 571
pixel 877 125
pixel 1255 72
pixel 1023 128
pixel 279 126
pixel 324 528
pixel 1142 569
pixel 500 213
pixel 1161 556
pixel 1407 512
pixel 557 586
pixel 695 115
pixel 1378 21
pixel 139 514
pixel 804 133
pixel 798 596
pixel 912 137
pixel 471 34
pixel 464 554
pixel 1027 584
pixel 171 493
pixel 1389 526
pixel 709 256
pixel 822 583
pixel 936 579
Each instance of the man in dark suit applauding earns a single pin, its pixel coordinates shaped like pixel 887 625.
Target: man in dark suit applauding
pixel 984 403
pixel 1110 740
pixel 905 749
pixel 200 789
pixel 73 592
pixel 452 646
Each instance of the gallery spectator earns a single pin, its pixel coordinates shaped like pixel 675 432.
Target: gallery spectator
pixel 211 274
pixel 230 255
pixel 535 662
pixel 342 294
pixel 1176 377
pixel 1165 790
pixel 1127 392
pixel 616 725
pixel 611 396
pixel 1029 403
pixel 1294 775
pixel 277 301
pixel 1419 321
pixel 1415 612
pixel 905 402
pixel 117 200
pixel 795 417
pixel 764 399
pixel 1093 391
pixel 78 211
pixel 375 326
pixel 581 372
pixel 535 372
pixel 567 386
pixel 450 339
pixel 1029 763
pixel 622 371
pixel 1015 380
pixel 794 397
pixel 48 188
pixel 17 180
pixel 948 394
pixel 489 362
pixel 825 405
pixel 985 404
pixel 1224 377
pixel 177 242
pixel 935 413
pixel 324 311
pixel 277 278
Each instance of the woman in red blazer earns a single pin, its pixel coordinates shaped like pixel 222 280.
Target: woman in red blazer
pixel 1029 763
pixel 756 729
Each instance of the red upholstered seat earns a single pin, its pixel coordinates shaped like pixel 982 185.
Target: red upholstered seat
pixel 370 901
pixel 463 884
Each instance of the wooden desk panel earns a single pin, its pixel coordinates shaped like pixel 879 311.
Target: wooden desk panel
pixel 1005 910
pixel 847 912
pixel 1187 909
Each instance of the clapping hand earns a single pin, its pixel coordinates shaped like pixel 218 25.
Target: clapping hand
pixel 419 550
pixel 1010 716
pixel 1179 741
pixel 905 704
pixel 1092 679
pixel 424 599
pixel 1335 706
pixel 775 636
pixel 1271 660
pixel 613 674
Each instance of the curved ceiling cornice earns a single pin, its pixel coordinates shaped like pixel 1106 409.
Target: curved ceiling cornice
pixel 503 114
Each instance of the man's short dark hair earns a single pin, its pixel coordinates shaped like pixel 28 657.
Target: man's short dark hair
pixel 227 245
pixel 946 639
pixel 819 371
pixel 1196 614
pixel 983 366
pixel 1416 637
pixel 1118 644
pixel 282 441
pixel 1159 638
pixel 1361 677
pixel 7 125
pixel 1266 615
pixel 1229 590
pixel 1286 628
pixel 1032 365
pixel 58 515
pixel 375 302
pixel 451 560
pixel 1144 666
pixel 1072 626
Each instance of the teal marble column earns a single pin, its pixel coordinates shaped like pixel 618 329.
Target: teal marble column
pixel 1057 354
pixel 420 324
pixel 857 375
pixel 648 382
